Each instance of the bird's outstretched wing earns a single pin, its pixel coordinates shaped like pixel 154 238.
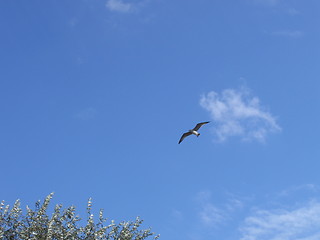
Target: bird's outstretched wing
pixel 184 136
pixel 196 128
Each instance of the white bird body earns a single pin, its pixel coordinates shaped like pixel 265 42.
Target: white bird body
pixel 192 131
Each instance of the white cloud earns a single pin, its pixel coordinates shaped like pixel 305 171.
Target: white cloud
pixel 303 188
pixel 301 223
pixel 236 113
pixel 119 6
pixel 289 33
pixel 210 215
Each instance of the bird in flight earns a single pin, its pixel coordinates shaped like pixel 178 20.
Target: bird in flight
pixel 192 131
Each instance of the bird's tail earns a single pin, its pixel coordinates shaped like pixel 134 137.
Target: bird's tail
pixel 198 135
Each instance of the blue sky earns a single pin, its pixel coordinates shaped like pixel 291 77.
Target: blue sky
pixel 95 95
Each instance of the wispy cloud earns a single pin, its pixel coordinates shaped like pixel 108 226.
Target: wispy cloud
pixel 212 215
pixel 237 113
pixel 288 33
pixel 304 189
pixel 301 223
pixel 292 215
pixel 119 6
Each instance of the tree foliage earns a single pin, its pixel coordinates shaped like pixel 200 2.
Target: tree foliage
pixel 64 224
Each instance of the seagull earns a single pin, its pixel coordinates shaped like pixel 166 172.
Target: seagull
pixel 192 131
